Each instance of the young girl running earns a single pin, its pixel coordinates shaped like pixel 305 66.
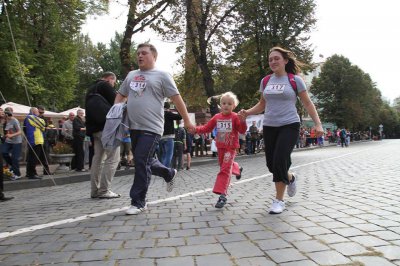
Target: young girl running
pixel 228 127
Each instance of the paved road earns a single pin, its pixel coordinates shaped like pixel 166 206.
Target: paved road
pixel 346 212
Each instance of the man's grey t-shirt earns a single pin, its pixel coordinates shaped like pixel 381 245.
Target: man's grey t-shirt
pixel 12 127
pixel 146 92
pixel 280 101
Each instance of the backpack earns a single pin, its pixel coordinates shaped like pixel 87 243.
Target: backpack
pixel 292 81
pixel 97 107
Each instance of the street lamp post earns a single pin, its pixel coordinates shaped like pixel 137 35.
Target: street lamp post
pixel 370 133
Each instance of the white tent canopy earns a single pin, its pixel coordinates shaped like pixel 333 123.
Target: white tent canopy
pixel 73 110
pixel 23 110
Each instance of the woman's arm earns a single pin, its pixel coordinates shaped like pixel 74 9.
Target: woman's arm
pixel 310 108
pixel 256 109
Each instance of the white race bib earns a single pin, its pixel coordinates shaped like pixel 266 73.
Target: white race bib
pixel 275 89
pixel 224 125
pixel 138 85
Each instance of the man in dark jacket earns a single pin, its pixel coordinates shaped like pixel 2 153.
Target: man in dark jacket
pixel 99 99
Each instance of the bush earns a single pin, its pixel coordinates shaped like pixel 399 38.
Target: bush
pixel 61 148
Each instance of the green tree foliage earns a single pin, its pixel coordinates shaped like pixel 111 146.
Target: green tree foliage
pixel 264 24
pixel 141 14
pixel 88 69
pixel 93 60
pixel 390 119
pixel 109 59
pixel 45 35
pixel 348 97
pixel 203 29
pixel 396 104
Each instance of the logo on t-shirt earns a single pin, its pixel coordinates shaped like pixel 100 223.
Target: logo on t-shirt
pixel 275 89
pixel 138 85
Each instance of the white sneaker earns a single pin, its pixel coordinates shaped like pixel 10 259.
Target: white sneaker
pixel 292 187
pixel 277 206
pixel 15 177
pixel 171 184
pixel 133 210
pixel 109 195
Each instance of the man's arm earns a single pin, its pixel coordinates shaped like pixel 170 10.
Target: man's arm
pixel 121 98
pixel 181 107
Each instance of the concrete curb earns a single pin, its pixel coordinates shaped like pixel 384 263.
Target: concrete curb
pixel 74 177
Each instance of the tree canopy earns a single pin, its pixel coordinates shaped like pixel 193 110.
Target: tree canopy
pixel 224 46
pixel 348 97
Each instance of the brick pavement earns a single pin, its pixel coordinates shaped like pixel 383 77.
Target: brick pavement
pixel 346 212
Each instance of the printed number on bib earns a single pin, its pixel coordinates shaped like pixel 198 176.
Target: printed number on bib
pixel 275 89
pixel 138 87
pixel 224 125
pixel 138 84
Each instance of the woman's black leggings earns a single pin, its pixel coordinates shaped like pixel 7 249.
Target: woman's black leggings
pixel 279 143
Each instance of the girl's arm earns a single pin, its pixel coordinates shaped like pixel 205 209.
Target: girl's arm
pixel 241 125
pixel 207 128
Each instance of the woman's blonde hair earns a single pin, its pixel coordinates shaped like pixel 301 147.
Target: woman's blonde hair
pixel 231 95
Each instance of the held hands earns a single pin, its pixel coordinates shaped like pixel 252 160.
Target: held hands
pixel 190 127
pixel 243 115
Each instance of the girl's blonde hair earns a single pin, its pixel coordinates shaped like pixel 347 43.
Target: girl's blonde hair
pixel 231 95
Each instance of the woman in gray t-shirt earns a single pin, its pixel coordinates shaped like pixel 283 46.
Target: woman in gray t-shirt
pixel 281 122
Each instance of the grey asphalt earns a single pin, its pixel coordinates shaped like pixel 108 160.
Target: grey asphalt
pixel 346 212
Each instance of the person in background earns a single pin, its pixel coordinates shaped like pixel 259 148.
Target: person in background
pixel 254 137
pixel 79 134
pixel 213 146
pixel 242 143
pixel 67 129
pixel 281 123
pixel 13 143
pixel 166 144
pixel 2 196
pixel 126 145
pixel 198 140
pixel 60 126
pixel 189 149
pixel 100 98
pixel 179 146
pixel 46 144
pixel 51 134
pixel 34 129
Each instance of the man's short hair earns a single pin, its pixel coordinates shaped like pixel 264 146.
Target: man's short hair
pixel 8 111
pixel 152 48
pixel 108 74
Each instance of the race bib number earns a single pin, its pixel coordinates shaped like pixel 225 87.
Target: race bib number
pixel 224 125
pixel 275 89
pixel 138 85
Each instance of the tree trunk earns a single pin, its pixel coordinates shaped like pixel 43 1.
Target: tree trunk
pixel 196 34
pixel 126 42
pixel 203 63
